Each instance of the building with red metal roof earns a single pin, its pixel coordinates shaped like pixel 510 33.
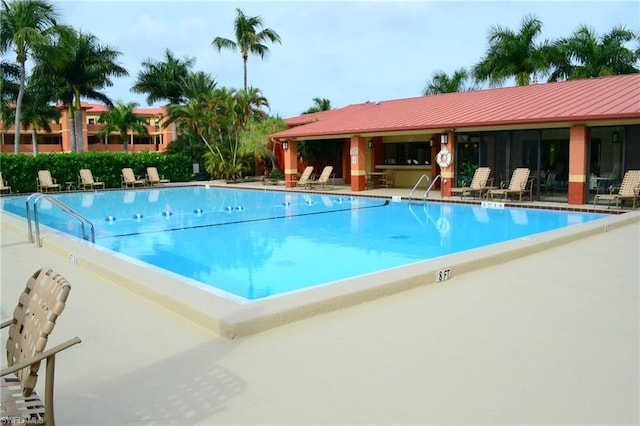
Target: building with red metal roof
pixel 575 136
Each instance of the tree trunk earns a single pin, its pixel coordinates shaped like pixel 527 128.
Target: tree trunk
pixel 34 140
pixel 72 129
pixel 77 118
pixel 244 64
pixel 16 138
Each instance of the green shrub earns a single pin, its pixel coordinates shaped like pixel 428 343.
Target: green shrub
pixel 20 170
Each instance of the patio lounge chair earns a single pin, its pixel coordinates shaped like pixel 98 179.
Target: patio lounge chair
pixel 305 177
pixel 34 318
pixel 129 180
pixel 323 180
pixel 4 186
pixel 153 178
pixel 478 184
pixel 45 182
pixel 520 185
pixel 629 190
pixel 86 180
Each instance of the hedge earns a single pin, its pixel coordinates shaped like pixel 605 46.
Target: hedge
pixel 21 170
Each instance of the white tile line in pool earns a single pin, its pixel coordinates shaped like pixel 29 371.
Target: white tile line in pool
pixel 233 317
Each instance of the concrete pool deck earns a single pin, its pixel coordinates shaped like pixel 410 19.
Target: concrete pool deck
pixel 550 337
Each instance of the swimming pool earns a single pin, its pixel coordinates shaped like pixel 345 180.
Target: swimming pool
pixel 258 244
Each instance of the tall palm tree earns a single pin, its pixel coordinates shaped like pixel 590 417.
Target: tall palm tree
pixel 120 119
pixel 585 55
pixel 161 80
pixel 37 111
pixel 319 104
pixel 441 83
pixel 26 26
pixel 80 67
pixel 248 39
pixel 513 54
pixel 9 86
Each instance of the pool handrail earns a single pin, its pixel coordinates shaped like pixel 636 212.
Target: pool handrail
pixel 38 196
pixel 426 194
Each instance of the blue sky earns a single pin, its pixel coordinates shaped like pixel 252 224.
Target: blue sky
pixel 347 52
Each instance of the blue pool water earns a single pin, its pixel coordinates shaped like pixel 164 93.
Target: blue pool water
pixel 255 244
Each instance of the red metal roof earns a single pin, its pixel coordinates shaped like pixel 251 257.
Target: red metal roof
pixel 92 108
pixel 576 101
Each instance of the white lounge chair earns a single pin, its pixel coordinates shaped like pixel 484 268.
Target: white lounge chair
pixel 305 178
pixel 323 180
pixel 153 178
pixel 4 185
pixel 34 318
pixel 45 182
pixel 629 190
pixel 520 185
pixel 86 180
pixel 478 184
pixel 129 180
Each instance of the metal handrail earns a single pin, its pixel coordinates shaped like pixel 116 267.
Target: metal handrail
pixel 83 220
pixel 426 194
pixel 29 214
pixel 418 183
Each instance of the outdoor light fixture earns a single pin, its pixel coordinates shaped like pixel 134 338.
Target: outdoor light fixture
pixel 370 143
pixel 285 145
pixel 444 139
pixel 431 142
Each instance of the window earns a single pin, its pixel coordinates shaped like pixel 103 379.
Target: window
pixel 407 153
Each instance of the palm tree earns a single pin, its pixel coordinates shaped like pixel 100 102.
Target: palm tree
pixel 513 54
pixel 248 106
pixel 585 55
pixel 198 118
pixel 319 104
pixel 196 84
pixel 25 26
pixel 120 119
pixel 255 139
pixel 80 67
pixel 37 111
pixel 247 39
pixel 441 83
pixel 9 75
pixel 161 80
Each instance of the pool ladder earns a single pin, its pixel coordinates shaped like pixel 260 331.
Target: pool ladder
pixel 426 194
pixel 38 196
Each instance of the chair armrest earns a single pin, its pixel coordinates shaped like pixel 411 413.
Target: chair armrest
pixel 39 357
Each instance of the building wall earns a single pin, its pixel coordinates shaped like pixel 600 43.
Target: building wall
pixel 160 137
